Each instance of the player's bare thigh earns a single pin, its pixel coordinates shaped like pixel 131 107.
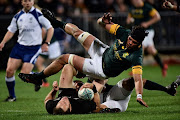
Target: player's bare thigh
pixel 66 78
pixel 26 68
pixel 12 66
pixel 75 31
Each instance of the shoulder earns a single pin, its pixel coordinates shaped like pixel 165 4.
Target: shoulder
pixel 16 16
pixel 38 12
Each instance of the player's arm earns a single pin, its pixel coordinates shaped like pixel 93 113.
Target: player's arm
pixel 106 23
pixel 170 6
pixel 50 33
pixel 52 94
pixel 137 75
pixel 96 98
pixel 155 17
pixel 6 38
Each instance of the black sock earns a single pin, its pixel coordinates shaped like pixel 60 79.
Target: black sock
pixel 154 86
pixel 158 60
pixel 56 23
pixel 41 75
pixel 45 80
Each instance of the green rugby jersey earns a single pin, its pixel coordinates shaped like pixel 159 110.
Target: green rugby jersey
pixel 117 58
pixel 142 14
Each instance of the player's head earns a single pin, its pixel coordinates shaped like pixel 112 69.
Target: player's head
pixel 137 3
pixel 27 4
pixel 58 107
pixel 136 37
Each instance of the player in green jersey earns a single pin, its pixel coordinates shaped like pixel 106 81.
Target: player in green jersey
pixel 144 14
pixel 105 61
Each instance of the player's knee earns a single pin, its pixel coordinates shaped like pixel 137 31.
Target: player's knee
pixel 68 68
pixel 128 83
pixel 62 59
pixel 9 72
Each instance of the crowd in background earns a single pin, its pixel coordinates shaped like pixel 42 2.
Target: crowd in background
pixel 76 7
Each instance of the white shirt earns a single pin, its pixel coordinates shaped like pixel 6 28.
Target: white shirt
pixel 29 25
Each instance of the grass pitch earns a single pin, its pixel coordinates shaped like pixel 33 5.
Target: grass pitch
pixel 30 106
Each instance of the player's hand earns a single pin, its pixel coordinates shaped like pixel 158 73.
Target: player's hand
pixel 139 100
pixel 44 48
pixel 107 18
pixel 55 85
pixel 87 85
pixel 1 46
pixel 167 4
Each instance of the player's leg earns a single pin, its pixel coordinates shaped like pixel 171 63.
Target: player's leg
pixel 27 68
pixel 66 78
pixel 152 50
pixel 128 84
pixel 12 65
pixel 148 44
pixel 40 63
pixel 120 104
pixel 40 66
pixel 54 68
pixel 84 38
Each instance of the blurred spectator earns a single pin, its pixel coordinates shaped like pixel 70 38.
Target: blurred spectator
pixel 95 6
pixel 16 6
pixel 4 7
pixel 49 4
pixel 120 6
pixel 109 6
pixel 80 7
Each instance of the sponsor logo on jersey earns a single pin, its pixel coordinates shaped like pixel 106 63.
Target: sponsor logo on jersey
pixel 125 54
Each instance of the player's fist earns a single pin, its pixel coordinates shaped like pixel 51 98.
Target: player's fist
pixel 139 100
pixel 55 85
pixel 107 17
pixel 167 4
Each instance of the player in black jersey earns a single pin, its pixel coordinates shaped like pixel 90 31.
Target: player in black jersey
pixel 67 101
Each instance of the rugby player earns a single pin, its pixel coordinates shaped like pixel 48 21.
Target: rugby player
pixel 28 22
pixel 113 98
pixel 106 61
pixel 68 101
pixel 141 13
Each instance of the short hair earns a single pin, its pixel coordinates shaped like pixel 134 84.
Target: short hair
pixel 138 33
pixel 50 105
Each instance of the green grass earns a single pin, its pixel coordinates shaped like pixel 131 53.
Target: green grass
pixel 30 106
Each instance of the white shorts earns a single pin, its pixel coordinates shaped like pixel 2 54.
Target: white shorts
pixel 93 66
pixel 54 50
pixel 148 41
pixel 118 97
